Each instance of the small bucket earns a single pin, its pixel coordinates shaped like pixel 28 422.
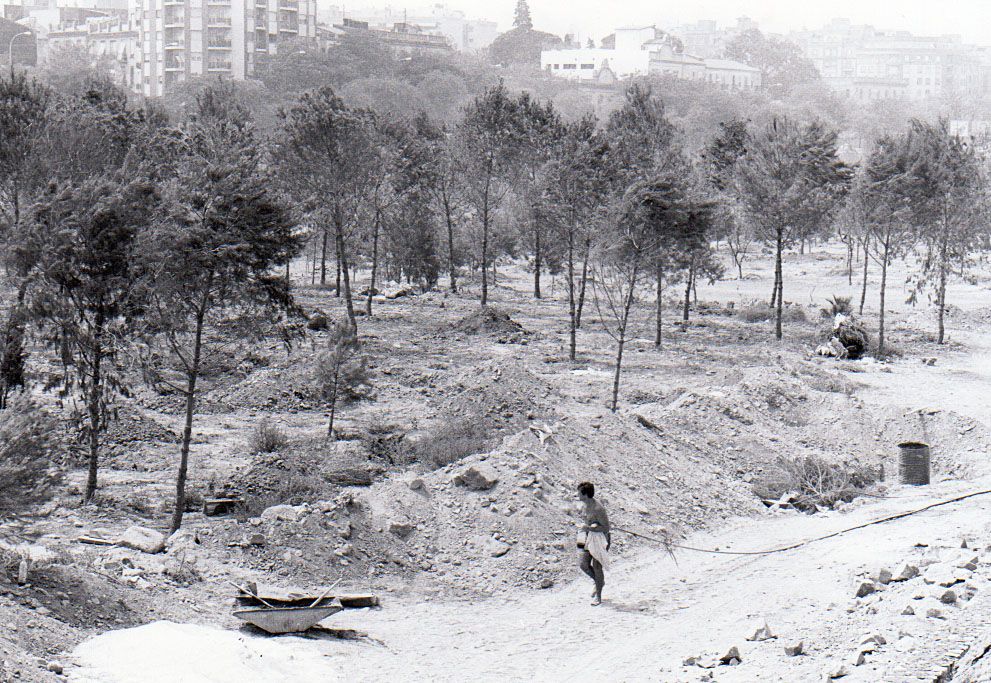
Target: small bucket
pixel 913 464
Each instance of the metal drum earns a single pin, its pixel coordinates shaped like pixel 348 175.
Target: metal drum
pixel 913 463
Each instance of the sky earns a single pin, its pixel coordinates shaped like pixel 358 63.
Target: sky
pixel 596 18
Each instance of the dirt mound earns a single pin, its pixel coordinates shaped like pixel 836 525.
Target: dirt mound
pixel 492 322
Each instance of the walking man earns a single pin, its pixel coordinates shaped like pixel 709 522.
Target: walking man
pixel 594 539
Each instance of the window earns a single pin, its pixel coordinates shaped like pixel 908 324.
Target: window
pixel 570 66
pixel 557 66
pixel 588 67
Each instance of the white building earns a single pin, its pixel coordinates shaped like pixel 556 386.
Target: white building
pixel 642 51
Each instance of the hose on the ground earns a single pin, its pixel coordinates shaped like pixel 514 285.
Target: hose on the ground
pixel 901 515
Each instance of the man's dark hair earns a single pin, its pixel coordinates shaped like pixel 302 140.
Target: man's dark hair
pixel 587 489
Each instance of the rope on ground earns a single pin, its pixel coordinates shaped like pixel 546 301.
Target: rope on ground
pixel 891 518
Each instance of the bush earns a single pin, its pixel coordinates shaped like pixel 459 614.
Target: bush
pixel 755 313
pixel 293 489
pixel 268 438
pixel 317 321
pixel 452 441
pixel 29 455
pixel 814 482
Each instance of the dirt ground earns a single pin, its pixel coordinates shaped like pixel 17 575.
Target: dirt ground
pixel 483 582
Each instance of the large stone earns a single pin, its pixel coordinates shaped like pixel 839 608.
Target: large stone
pixel 477 477
pixel 795 649
pixel 282 513
pixel 908 572
pixel 142 538
pixel 865 588
pixel 182 540
pixel 760 633
pixel 948 598
pixel 732 657
pixel 882 576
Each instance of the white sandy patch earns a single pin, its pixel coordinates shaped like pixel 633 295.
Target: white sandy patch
pixel 165 652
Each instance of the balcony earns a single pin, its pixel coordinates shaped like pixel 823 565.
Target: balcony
pixel 175 46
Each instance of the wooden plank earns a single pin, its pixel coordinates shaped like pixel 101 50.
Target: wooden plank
pixel 94 540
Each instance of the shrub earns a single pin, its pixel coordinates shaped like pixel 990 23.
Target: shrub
pixel 452 441
pixel 293 489
pixel 268 438
pixel 29 455
pixel 755 313
pixel 814 482
pixel 317 321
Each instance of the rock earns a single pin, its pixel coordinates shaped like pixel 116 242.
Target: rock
pixel 256 539
pixel 142 538
pixel 945 576
pixel 282 513
pixel 882 576
pixel 497 548
pixel 477 477
pixel 182 540
pixel 761 633
pixel 908 572
pixel 402 529
pixel 416 484
pixel 546 583
pixel 933 613
pixel 873 639
pixel 837 671
pixel 690 661
pixel 731 658
pixel 948 598
pixel 908 611
pixel 865 588
pixel 862 657
pixel 795 649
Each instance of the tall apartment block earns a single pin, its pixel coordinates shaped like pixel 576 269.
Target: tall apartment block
pixel 179 39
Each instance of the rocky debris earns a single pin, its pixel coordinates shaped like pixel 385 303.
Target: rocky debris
pixel 761 633
pixel 908 611
pixel 732 657
pixel 934 613
pixel 142 538
pixel 546 583
pixel 479 477
pixel 417 484
pixel 865 588
pixel 948 598
pixel 283 513
pixel 795 649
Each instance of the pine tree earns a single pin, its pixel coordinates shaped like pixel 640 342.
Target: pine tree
pixel 522 20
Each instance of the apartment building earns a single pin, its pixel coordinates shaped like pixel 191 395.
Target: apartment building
pixel 180 39
pixel 864 64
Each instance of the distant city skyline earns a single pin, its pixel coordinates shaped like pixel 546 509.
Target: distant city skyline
pixel 971 19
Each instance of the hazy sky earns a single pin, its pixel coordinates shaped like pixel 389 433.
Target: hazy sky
pixel 596 18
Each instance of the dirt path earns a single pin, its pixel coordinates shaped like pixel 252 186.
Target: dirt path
pixel 658 613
